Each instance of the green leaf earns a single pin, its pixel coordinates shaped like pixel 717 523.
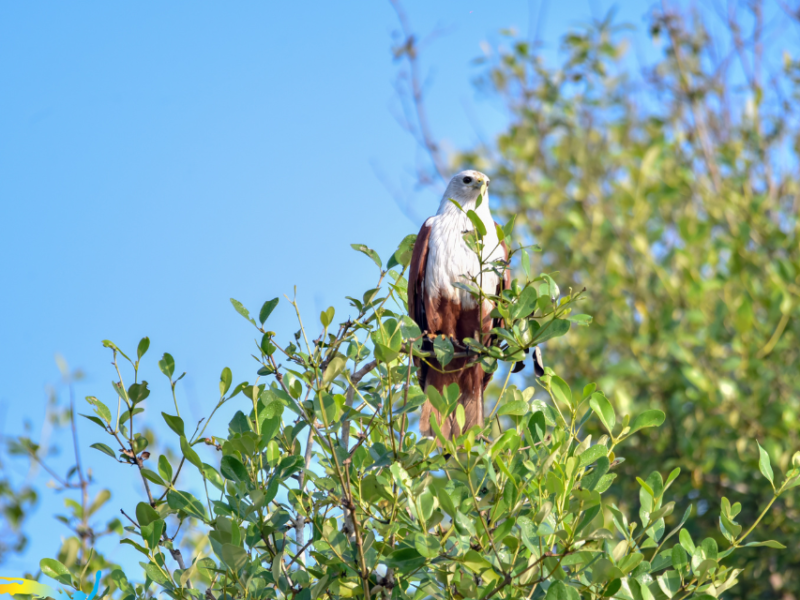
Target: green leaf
pixel 167 365
pixel 174 423
pixel 145 514
pixel 232 469
pixel 154 573
pixel 515 407
pixel 630 562
pixel 369 252
pixel 443 349
pixel 501 235
pixel 537 426
pixel 105 449
pixel 427 545
pixel 524 261
pixel 272 490
pixel 326 408
pixel 446 502
pixel 138 392
pixel 100 409
pixel 764 465
pixel 477 222
pixel 604 571
pixel 402 255
pixel 242 310
pixel 552 329
pixel 54 569
pixel 385 354
pixel 583 320
pixel 225 380
pixel 190 454
pixel 672 477
pixel 113 346
pixel 94 420
pixel 603 409
pixel 138 547
pixel 153 476
pixel 461 417
pixel 680 559
pixel 334 368
pixel 151 533
pixel 184 501
pixel 102 497
pixel 686 541
pixel 273 453
pixel 649 418
pixel 164 468
pixel 266 309
pixel 669 582
pixel 234 556
pixel 592 480
pixel 592 454
pixel 560 591
pixel 478 564
pixel 768 544
pixel 526 303
pixel 141 349
pixel 326 316
pixel 646 487
pixel 561 390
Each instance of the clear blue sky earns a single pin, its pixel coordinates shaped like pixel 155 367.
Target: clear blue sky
pixel 156 160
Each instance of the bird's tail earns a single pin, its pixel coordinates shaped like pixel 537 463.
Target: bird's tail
pixel 470 383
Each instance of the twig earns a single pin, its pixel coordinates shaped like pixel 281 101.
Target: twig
pixel 178 557
pixel 409 49
pixel 135 524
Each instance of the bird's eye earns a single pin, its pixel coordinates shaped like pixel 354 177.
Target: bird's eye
pixel 467 180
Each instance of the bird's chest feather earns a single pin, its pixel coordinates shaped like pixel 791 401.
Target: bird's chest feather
pixel 450 260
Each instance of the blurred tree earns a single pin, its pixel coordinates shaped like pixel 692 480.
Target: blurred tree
pixel 15 505
pixel 673 198
pixel 17 500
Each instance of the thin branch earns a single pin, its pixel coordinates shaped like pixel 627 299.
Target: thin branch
pixel 409 50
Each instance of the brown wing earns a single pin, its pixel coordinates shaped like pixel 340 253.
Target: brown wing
pixel 416 290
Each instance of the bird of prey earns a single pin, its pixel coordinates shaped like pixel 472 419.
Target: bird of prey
pixel 441 258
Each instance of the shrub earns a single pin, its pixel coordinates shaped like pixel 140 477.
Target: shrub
pixel 320 486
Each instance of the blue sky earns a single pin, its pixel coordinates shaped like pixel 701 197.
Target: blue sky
pixel 157 160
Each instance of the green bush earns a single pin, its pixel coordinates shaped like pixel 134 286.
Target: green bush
pixel 320 487
pixel 670 190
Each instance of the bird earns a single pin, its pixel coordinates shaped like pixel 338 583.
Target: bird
pixel 441 258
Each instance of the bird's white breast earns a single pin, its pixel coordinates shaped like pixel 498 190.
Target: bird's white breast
pixel 450 260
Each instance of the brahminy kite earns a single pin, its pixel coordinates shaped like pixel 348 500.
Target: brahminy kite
pixel 440 259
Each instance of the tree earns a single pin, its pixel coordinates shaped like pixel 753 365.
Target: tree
pixel 368 508
pixel 673 197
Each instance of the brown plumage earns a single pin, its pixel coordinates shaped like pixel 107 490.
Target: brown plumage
pixel 441 258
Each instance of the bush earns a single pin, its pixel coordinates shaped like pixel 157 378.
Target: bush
pixel 321 488
pixel 671 192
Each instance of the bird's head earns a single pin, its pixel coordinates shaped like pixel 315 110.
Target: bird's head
pixel 466 186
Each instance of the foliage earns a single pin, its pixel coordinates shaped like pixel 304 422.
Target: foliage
pixel 368 508
pixel 77 552
pixel 672 195
pixel 15 505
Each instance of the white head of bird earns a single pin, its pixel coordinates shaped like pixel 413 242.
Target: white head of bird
pixel 464 188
